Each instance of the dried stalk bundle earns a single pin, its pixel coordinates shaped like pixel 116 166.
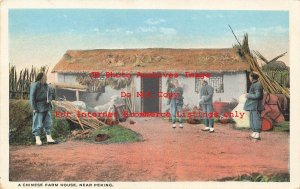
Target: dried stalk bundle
pixel 98 84
pixel 130 102
pixel 80 134
pixel 269 85
pixel 66 106
pixel 280 76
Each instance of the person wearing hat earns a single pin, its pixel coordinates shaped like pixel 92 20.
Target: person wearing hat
pixel 40 100
pixel 206 104
pixel 254 105
pixel 176 102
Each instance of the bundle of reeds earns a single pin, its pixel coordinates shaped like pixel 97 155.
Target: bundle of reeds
pixel 95 84
pixel 281 77
pixel 130 101
pixel 269 85
pixel 84 122
pixel 118 83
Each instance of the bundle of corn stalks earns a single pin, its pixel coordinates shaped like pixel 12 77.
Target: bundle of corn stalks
pixel 280 76
pixel 268 84
pixel 95 84
pixel 66 106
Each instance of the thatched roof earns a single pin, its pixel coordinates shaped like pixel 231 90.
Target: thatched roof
pixel 151 60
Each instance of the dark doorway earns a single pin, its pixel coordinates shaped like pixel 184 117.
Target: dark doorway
pixel 150 103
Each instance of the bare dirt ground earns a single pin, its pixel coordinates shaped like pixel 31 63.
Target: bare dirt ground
pixel 166 154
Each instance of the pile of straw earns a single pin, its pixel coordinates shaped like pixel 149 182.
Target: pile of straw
pixel 98 84
pixel 66 106
pixel 268 84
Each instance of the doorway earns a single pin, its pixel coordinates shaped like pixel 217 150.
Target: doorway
pixel 150 86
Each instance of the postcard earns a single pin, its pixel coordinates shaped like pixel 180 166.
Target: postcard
pixel 149 94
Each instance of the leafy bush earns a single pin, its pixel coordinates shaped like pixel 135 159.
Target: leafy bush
pixel 282 127
pixel 116 133
pixel 20 124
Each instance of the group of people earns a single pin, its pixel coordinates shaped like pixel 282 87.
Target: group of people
pixel 253 104
pixel 40 101
pixel 205 102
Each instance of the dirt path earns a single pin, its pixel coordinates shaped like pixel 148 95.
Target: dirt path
pixel 167 154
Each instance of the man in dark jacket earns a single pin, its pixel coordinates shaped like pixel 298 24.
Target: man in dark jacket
pixel 254 104
pixel 40 100
pixel 176 103
pixel 206 103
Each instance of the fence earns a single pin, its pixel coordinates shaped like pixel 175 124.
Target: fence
pixel 19 83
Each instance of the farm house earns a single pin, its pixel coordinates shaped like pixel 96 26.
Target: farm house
pixel 227 69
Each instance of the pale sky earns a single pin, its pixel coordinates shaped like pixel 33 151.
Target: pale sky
pixel 42 36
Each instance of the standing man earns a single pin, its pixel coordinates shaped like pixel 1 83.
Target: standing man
pixel 176 102
pixel 254 105
pixel 40 101
pixel 206 99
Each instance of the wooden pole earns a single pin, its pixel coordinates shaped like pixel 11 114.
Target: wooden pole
pixel 77 95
